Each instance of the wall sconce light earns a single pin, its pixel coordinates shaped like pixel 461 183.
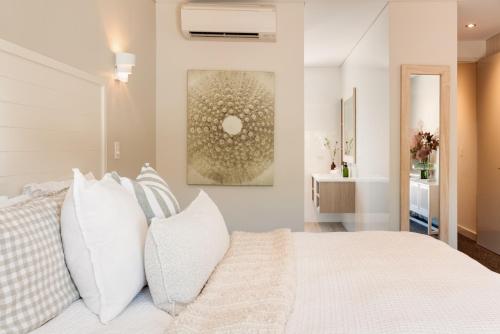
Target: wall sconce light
pixel 124 63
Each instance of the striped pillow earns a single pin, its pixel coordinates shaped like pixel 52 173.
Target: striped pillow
pixel 152 193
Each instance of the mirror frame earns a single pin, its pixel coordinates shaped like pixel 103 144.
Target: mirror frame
pixel 444 119
pixel 342 110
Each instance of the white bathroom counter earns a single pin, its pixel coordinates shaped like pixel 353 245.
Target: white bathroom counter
pixel 431 182
pixel 336 178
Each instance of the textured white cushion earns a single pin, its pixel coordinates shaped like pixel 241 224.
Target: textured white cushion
pixel 103 231
pixel 182 251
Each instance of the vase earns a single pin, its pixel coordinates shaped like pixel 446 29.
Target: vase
pixel 345 170
pixel 333 166
pixel 424 174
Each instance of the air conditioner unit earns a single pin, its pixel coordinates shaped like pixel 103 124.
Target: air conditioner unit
pixel 223 21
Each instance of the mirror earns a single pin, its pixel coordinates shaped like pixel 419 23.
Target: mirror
pixel 424 143
pixel 349 128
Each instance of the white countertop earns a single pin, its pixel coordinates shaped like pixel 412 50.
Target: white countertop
pixel 337 178
pixel 431 182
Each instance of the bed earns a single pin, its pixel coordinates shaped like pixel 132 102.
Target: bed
pixel 361 282
pixel 140 317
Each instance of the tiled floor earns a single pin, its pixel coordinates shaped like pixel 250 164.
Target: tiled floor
pixel 324 227
pixel 480 254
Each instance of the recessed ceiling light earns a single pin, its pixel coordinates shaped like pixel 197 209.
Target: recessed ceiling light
pixel 471 25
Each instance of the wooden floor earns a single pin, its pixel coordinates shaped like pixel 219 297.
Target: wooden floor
pixel 478 253
pixel 324 227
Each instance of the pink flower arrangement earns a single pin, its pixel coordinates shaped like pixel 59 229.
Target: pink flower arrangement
pixel 422 145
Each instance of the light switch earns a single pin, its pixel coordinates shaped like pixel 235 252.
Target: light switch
pixel 117 150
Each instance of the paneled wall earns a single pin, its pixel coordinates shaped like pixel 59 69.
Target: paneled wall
pixel 51 120
pixel 85 34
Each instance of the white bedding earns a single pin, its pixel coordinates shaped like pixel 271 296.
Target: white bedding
pixel 353 283
pixel 140 317
pixel 390 282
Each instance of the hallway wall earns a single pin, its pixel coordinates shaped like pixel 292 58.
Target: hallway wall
pixel 488 122
pixel 467 149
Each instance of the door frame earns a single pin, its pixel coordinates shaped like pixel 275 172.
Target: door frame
pixel 444 141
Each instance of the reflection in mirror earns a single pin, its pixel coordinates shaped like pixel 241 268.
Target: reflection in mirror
pixel 349 129
pixel 424 154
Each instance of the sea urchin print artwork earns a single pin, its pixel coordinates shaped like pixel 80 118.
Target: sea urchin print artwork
pixel 230 134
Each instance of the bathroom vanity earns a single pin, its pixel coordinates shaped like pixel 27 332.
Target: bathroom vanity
pixel 333 194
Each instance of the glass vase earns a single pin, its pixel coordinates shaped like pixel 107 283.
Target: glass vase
pixel 424 174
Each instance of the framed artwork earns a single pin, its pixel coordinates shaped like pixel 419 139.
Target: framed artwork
pixel 230 128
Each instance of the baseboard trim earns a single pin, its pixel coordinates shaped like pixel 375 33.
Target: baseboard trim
pixel 467 232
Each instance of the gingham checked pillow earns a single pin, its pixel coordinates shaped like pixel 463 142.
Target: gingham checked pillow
pixel 35 284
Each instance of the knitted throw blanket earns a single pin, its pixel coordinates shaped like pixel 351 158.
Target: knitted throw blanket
pixel 252 290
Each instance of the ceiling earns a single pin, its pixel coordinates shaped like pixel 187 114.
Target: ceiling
pixel 485 13
pixel 333 27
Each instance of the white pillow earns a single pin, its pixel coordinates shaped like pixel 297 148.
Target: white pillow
pixel 182 251
pixel 103 231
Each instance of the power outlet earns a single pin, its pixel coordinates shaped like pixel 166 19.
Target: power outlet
pixel 116 153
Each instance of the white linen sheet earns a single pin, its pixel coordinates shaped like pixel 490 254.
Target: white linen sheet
pixel 352 283
pixel 140 317
pixel 388 283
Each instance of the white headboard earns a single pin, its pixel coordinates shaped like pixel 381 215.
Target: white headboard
pixel 52 119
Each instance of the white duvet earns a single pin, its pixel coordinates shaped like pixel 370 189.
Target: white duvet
pixel 390 282
pixel 363 283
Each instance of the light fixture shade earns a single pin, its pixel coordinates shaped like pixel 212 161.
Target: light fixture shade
pixel 125 59
pixel 123 77
pixel 123 67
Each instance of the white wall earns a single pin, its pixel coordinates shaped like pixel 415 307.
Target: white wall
pixel 425 102
pixel 493 45
pixel 471 50
pixel 367 69
pixel 244 208
pixel 468 149
pixel 85 35
pixel 404 33
pixel 424 33
pixel 322 90
pixel 488 152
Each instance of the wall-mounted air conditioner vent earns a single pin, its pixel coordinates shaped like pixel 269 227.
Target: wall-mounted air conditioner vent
pixel 228 21
pixel 224 34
